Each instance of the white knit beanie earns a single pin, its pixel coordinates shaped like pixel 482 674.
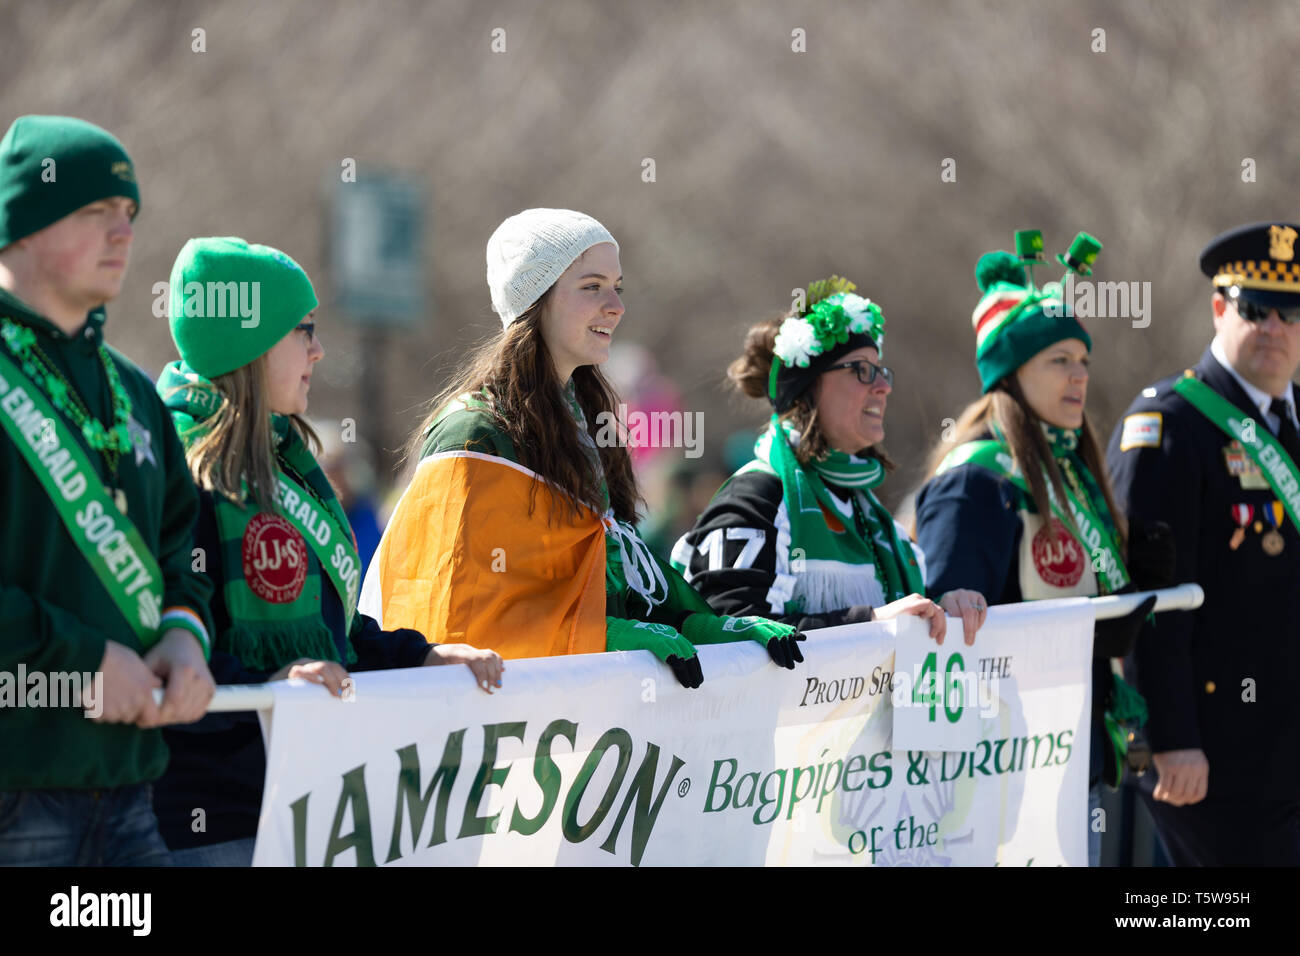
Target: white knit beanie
pixel 530 250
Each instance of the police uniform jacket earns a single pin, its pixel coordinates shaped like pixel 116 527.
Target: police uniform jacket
pixel 1221 678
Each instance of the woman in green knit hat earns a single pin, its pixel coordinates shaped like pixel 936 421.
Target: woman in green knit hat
pixel 277 545
pixel 990 515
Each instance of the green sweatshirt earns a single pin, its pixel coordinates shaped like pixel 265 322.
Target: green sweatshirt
pixel 55 615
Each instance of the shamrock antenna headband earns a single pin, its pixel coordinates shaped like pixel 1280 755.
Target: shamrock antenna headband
pixel 832 314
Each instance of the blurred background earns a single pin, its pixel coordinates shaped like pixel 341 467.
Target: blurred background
pixel 736 150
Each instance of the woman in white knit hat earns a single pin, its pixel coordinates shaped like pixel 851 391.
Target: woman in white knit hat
pixel 517 528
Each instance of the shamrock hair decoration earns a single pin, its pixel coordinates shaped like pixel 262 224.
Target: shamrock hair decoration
pixel 834 313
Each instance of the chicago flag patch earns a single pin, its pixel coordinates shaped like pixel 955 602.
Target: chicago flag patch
pixel 1141 430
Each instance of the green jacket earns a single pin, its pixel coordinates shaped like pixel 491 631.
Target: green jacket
pixel 55 615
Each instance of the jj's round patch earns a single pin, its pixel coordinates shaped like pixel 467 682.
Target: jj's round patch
pixel 275 559
pixel 1060 560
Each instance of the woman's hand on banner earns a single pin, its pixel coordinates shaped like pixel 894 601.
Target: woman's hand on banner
pixel 920 606
pixel 970 606
pixel 486 665
pixel 329 674
pixel 660 640
pixel 188 685
pixel 1184 776
pixel 781 641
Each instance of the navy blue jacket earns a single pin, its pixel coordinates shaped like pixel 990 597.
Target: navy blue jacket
pixel 218 764
pixel 1197 667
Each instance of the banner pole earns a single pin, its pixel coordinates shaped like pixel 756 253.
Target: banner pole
pixel 1184 597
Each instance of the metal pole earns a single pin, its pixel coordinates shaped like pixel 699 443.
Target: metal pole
pixel 1184 597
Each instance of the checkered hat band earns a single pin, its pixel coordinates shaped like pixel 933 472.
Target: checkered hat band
pixel 1250 274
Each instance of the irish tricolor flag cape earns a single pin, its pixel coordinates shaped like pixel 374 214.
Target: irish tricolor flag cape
pixel 463 561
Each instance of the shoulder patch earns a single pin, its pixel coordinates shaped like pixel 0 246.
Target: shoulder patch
pixel 1141 430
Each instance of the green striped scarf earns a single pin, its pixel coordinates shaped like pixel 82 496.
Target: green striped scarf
pixel 269 627
pixel 870 537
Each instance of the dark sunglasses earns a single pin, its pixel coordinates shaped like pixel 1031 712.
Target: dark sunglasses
pixel 308 327
pixel 1255 312
pixel 866 371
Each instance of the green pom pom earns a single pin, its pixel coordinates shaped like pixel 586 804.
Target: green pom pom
pixel 999 266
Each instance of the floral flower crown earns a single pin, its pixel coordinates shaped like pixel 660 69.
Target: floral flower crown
pixel 834 312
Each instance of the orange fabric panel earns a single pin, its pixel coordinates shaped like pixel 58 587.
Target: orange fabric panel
pixel 462 561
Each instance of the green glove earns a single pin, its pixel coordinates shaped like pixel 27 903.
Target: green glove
pixel 781 640
pixel 661 641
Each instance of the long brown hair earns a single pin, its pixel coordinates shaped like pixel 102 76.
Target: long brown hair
pixel 1005 404
pixel 529 405
pixel 238 443
pixel 749 375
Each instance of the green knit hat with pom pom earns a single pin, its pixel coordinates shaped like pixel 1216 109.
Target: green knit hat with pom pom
pixel 1014 320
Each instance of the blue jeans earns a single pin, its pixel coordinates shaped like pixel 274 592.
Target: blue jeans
pixel 111 827
pixel 230 853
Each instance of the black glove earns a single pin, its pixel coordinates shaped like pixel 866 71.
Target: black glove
pixel 687 670
pixel 1151 555
pixel 1117 636
pixel 784 651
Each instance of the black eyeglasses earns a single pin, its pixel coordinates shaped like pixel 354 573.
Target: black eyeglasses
pixel 308 327
pixel 867 371
pixel 1254 312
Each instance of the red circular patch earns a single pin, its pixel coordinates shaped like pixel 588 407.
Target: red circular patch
pixel 1059 562
pixel 275 559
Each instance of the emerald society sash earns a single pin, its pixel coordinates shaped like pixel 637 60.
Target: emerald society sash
pixel 1263 448
pixel 327 538
pixel 107 539
pixel 1092 532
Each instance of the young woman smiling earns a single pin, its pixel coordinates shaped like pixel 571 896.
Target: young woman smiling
pixel 517 527
pixel 274 539
pixel 758 547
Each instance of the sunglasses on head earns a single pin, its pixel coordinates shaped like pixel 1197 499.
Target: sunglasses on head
pixel 866 371
pixel 1253 311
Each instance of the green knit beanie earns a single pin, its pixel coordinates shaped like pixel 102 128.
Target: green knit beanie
pixel 1014 321
pixel 232 301
pixel 51 166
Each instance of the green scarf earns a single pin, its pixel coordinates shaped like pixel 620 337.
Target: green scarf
pixel 814 551
pixel 1088 518
pixel 276 617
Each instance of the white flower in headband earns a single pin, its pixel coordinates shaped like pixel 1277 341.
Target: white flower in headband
pixel 796 342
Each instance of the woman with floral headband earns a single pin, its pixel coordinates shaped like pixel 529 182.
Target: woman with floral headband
pixel 991 516
pixel 798 534
pixel 273 536
pixel 517 527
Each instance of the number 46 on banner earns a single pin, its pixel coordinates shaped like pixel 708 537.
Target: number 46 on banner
pixel 936 699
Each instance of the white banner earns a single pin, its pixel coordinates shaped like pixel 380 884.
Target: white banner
pixel 603 759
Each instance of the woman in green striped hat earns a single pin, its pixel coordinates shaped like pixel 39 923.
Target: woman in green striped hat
pixel 271 534
pixel 990 516
pixel 798 534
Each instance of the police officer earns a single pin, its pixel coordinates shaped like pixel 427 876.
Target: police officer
pixel 1213 452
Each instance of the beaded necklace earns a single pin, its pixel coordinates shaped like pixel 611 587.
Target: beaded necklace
pixel 110 442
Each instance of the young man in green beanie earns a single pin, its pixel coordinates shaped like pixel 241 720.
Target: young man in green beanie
pixel 99 508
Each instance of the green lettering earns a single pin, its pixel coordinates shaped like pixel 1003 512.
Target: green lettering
pixel 299 808
pixel 547 775
pixel 354 793
pixel 574 831
pixel 489 774
pixel 408 791
pixel 646 812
